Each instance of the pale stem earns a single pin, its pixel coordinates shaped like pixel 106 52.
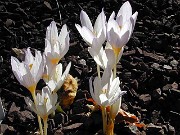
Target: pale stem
pixel 115 66
pixel 98 71
pixel 45 125
pixel 39 118
pixel 114 71
pixel 104 118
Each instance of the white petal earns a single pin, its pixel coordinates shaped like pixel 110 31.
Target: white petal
pixel 111 60
pixel 119 20
pixel 15 64
pixel 88 36
pixel 64 47
pixel 85 21
pixel 112 24
pixel 63 34
pixel 125 11
pixel 96 55
pixel 38 66
pixel 114 39
pixel 104 100
pixel 29 58
pixel 100 24
pixel 106 76
pixel 52 85
pixel 116 97
pixel 112 16
pixel 66 72
pixel 114 87
pixel 115 107
pixel 58 72
pixel 78 27
pixel 123 40
pixel 52 32
pixel 61 79
pixel 101 37
pixel 133 21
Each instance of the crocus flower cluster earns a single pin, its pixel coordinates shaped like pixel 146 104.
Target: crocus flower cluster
pixel 44 66
pixel 116 32
pixel 106 40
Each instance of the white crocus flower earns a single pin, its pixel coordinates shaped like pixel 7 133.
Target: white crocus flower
pixel 105 91
pixel 57 78
pixel 45 103
pixel 87 31
pixel 109 47
pixel 125 14
pixel 115 108
pixel 30 71
pixel 48 70
pixel 120 30
pixel 56 46
pixel 117 37
pixel 102 57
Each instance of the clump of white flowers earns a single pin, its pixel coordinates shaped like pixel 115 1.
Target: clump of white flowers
pixel 105 90
pixel 117 31
pixel 44 66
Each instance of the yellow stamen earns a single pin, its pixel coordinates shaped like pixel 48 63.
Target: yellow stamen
pixel 32 88
pixel 104 91
pixel 116 51
pixel 30 66
pixel 55 61
pixel 45 100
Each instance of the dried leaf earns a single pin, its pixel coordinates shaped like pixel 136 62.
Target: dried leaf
pixel 69 90
pixel 127 117
pixel 91 100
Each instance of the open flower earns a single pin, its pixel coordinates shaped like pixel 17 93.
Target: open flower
pixel 120 30
pixel 56 45
pixel 102 57
pixel 125 14
pixel 87 31
pixel 105 91
pixel 45 103
pixel 57 78
pixel 30 71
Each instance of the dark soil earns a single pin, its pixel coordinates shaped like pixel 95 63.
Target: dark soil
pixel 149 69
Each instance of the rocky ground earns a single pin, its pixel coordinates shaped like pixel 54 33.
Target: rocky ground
pixel 149 69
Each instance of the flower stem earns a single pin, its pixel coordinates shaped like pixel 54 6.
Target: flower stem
pixel 110 127
pixel 114 71
pixel 45 125
pixel 104 118
pixel 39 118
pixel 98 71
